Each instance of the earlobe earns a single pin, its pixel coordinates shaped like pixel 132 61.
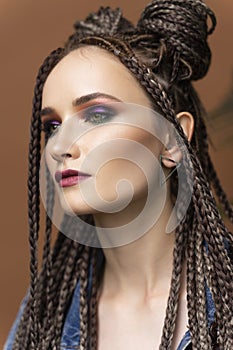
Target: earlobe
pixel 172 156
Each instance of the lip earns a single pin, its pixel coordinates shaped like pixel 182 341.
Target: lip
pixel 70 177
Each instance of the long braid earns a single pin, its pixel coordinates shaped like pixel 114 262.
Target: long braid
pixel 93 302
pixel 24 326
pixel 58 267
pixel 215 252
pixel 203 152
pixel 34 203
pixel 191 283
pixel 215 290
pixel 73 265
pixel 220 192
pixel 166 106
pixel 63 266
pixel 198 188
pixel 172 305
pixel 158 94
pixel 33 194
pixel 33 212
pixel 173 35
pixel 46 260
pixel 84 309
pixel 200 292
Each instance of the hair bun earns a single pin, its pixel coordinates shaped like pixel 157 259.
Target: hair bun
pixel 182 24
pixel 104 22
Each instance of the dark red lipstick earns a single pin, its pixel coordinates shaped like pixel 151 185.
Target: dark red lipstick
pixel 70 177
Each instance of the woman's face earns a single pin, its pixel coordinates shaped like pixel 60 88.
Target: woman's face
pixel 91 106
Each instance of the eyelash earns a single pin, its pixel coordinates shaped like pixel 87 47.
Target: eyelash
pixel 47 127
pixel 94 115
pixel 100 112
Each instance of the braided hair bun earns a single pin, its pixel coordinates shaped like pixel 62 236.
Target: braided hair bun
pixel 182 26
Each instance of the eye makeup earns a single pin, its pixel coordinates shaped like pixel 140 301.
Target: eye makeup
pixel 50 127
pixel 95 114
pixel 98 114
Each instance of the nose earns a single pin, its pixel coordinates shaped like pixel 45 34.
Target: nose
pixel 64 144
pixel 58 153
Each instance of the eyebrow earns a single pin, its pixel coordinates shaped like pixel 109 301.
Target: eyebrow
pixel 81 101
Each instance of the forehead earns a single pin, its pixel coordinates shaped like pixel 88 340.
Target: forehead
pixel 88 70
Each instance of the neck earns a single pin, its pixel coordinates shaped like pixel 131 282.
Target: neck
pixel 143 267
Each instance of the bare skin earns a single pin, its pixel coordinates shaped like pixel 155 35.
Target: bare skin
pixel 135 289
pixel 137 276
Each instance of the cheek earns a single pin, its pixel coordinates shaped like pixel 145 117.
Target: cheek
pixel 119 174
pixel 117 132
pixel 129 159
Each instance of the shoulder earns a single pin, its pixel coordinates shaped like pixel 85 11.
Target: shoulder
pixel 11 337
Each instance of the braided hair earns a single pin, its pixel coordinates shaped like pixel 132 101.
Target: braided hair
pixel 169 42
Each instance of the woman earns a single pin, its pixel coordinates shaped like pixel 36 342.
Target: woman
pixel 116 103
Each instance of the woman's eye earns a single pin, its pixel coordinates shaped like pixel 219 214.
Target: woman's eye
pixel 98 114
pixel 50 127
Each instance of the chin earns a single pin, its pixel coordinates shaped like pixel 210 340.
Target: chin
pixel 75 206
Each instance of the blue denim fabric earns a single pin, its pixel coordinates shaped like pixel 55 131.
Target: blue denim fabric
pixel 70 335
pixel 10 340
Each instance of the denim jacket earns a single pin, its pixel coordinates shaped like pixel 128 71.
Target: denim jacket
pixel 71 337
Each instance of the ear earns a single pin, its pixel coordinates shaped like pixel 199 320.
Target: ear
pixel 186 121
pixel 171 156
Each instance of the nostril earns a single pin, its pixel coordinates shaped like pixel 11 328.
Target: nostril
pixel 60 151
pixel 66 155
pixel 60 157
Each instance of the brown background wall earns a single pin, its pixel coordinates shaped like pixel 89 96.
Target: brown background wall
pixel 29 30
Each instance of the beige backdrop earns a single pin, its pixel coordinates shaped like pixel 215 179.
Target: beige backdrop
pixel 29 30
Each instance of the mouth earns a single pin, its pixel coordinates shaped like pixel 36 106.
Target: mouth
pixel 70 177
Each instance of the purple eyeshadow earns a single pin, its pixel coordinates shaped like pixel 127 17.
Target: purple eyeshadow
pixel 99 109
